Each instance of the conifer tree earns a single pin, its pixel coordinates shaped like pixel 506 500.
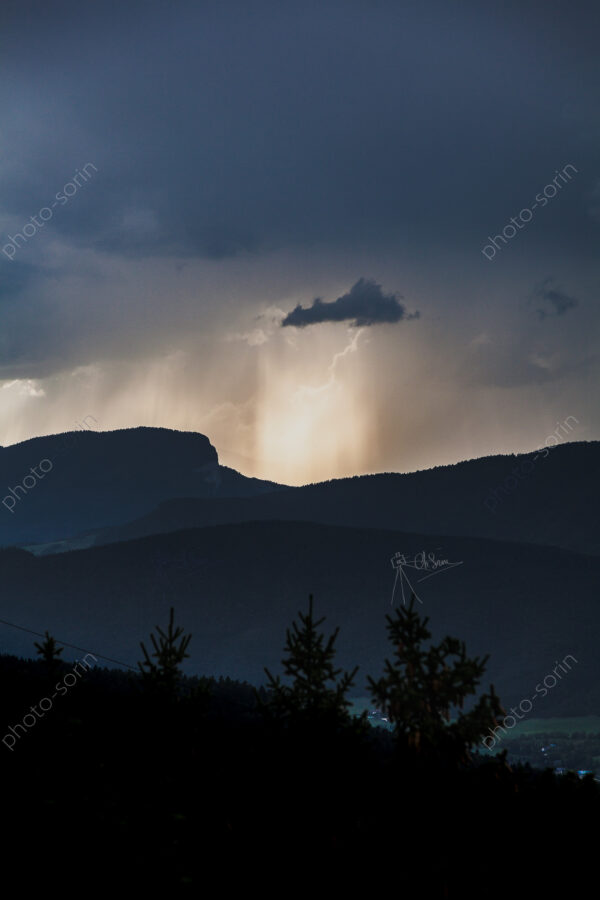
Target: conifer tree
pixel 170 650
pixel 422 692
pixel 50 653
pixel 317 693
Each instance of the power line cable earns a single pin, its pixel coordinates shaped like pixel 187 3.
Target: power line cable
pixel 73 646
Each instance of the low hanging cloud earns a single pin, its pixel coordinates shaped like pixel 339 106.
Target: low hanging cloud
pixel 555 303
pixel 364 304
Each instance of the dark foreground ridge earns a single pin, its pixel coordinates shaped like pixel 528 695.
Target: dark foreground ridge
pixel 155 780
pixel 237 587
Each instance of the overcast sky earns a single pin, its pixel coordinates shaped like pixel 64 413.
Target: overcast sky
pixel 335 237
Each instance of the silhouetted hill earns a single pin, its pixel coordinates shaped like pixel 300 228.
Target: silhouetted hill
pixel 62 485
pixel 554 501
pixel 237 587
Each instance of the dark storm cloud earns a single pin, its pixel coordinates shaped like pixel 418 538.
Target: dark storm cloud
pixel 14 278
pixel 236 129
pixel 364 304
pixel 556 303
pixel 232 132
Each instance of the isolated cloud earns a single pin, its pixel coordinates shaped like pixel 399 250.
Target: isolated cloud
pixel 556 302
pixel 364 304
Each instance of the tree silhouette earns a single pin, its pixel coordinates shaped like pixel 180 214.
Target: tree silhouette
pixel 423 691
pixel 50 653
pixel 315 694
pixel 169 652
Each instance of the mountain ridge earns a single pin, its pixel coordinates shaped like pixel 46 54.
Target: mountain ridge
pixel 554 505
pixel 237 587
pixel 104 478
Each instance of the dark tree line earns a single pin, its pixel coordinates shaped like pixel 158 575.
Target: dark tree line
pixel 162 782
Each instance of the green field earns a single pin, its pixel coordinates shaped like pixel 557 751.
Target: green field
pixel 570 725
pixel 566 726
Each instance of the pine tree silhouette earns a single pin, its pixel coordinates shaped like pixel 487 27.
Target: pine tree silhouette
pixel 423 691
pixel 50 653
pixel 169 651
pixel 315 694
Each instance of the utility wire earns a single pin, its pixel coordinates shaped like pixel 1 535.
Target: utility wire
pixel 73 646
